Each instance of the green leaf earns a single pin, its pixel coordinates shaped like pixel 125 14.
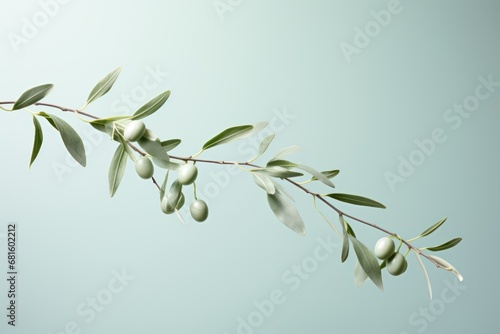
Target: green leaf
pixel 277 171
pixel 174 193
pixel 329 174
pixel 446 245
pixel 70 137
pixel 32 96
pixel 103 86
pixel 368 262
pixel 228 135
pixel 433 227
pixel 443 264
pixel 117 169
pixel 166 164
pixel 281 189
pixel 37 143
pixel 317 175
pixel 170 144
pixel 108 120
pixel 356 200
pixel 151 106
pixel 429 286
pixel 281 163
pixel 164 185
pixel 349 229
pixel 264 144
pixel 284 152
pixel 360 275
pixel 265 182
pixel 106 128
pixel 154 148
pixel 345 240
pixel 286 213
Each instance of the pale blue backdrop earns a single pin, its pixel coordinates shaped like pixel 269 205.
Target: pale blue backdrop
pixel 401 96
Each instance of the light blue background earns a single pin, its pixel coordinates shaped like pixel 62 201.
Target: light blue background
pixel 242 66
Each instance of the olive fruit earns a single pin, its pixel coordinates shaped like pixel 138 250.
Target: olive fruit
pixel 396 264
pixel 187 174
pixel 134 130
pixel 384 248
pixel 199 210
pixel 144 167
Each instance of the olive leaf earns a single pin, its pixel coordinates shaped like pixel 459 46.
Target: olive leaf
pixel 103 86
pixel 286 213
pixel 429 286
pixel 360 275
pixel 356 200
pixel 320 176
pixel 284 152
pixel 328 174
pixel 349 229
pixel 166 164
pixel 108 120
pixel 264 181
pixel 154 148
pixel 164 185
pixel 152 106
pixel 264 144
pixel 368 262
pixel 174 194
pixel 443 264
pixel 345 240
pixel 278 171
pixel 32 96
pixel 117 169
pixel 446 245
pixel 38 140
pixel 282 163
pixel 228 135
pixel 170 144
pixel 433 227
pixel 70 137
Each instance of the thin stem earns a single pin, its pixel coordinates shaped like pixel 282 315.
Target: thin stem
pixel 248 163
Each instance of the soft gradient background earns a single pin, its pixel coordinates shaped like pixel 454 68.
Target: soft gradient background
pixel 253 61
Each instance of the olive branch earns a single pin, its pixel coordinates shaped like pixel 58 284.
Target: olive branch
pixel 151 151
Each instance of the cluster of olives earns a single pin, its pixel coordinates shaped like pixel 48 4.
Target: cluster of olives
pixel 187 174
pixel 395 262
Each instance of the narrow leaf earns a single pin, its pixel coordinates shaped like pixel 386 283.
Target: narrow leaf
pixel 110 119
pixel 281 189
pixel 368 262
pixel 277 171
pixel 264 144
pixel 103 86
pixel 154 148
pixel 443 264
pixel 117 169
pixel 317 175
pixel 356 200
pixel 32 96
pixel 284 152
pixel 38 140
pixel 349 229
pixel 70 137
pixel 174 194
pixel 152 106
pixel 345 240
pixel 286 213
pixel 329 174
pixel 360 275
pixel 164 185
pixel 265 182
pixel 166 164
pixel 169 145
pixel 446 245
pixel 433 227
pixel 228 135
pixel 257 127
pixel 429 286
pixel 282 163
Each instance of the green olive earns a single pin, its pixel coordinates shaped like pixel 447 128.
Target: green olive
pixel 384 248
pixel 144 167
pixel 396 264
pixel 199 210
pixel 187 174
pixel 134 130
